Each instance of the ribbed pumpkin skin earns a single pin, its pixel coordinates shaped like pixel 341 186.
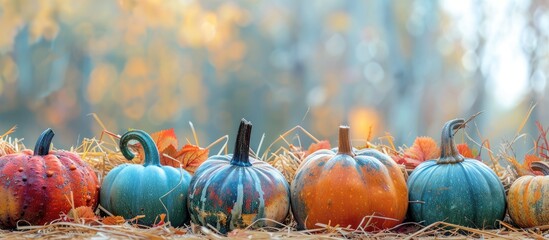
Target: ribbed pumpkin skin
pixel 34 188
pixel 455 189
pixel 338 188
pixel 467 193
pixel 233 191
pixel 528 200
pixel 130 190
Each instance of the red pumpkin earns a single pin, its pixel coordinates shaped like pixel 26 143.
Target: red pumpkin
pixel 349 188
pixel 35 187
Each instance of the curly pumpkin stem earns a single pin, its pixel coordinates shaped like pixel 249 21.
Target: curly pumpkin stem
pixel 152 157
pixel 241 156
pixel 449 152
pixel 42 147
pixel 344 146
pixel 543 167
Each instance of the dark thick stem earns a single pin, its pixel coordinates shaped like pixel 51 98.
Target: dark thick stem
pixel 42 147
pixel 241 156
pixel 152 157
pixel 345 141
pixel 543 167
pixel 449 152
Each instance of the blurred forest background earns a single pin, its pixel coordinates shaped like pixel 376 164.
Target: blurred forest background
pixel 403 67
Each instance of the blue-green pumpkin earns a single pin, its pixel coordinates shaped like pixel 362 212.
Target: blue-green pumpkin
pixel 150 189
pixel 235 191
pixel 455 189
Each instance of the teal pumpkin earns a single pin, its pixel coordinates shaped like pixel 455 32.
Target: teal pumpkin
pixel 455 189
pixel 150 189
pixel 234 191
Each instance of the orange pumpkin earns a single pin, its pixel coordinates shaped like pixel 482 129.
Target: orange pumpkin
pixel 35 186
pixel 528 198
pixel 347 187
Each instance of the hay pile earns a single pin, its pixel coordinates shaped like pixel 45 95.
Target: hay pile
pixel 286 154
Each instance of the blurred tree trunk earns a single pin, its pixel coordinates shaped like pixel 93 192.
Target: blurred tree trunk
pixel 20 114
pixel 43 68
pixel 411 72
pixel 480 94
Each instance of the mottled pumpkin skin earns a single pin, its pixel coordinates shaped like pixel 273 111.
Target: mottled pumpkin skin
pixel 228 196
pixel 528 200
pixel 34 188
pixel 467 193
pixel 343 189
pixel 150 189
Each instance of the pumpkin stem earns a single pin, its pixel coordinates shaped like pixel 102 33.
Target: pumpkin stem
pixel 42 147
pixel 543 167
pixel 449 152
pixel 152 157
pixel 345 141
pixel 241 156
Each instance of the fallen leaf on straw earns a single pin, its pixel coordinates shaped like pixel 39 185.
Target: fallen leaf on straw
pixel 166 142
pixel 83 212
pixel 465 151
pixel 192 156
pixel 423 149
pixel 324 144
pixel 113 220
pixel 165 139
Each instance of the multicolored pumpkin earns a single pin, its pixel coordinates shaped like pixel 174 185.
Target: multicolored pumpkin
pixel 528 198
pixel 150 189
pixel 234 191
pixel 455 189
pixel 348 187
pixel 35 186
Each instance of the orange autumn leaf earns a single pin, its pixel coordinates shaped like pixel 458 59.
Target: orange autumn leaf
pixel 113 220
pixel 168 155
pixel 324 144
pixel 465 151
pixel 82 212
pixel 192 156
pixel 528 160
pixel 166 143
pixel 165 139
pixel 423 149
